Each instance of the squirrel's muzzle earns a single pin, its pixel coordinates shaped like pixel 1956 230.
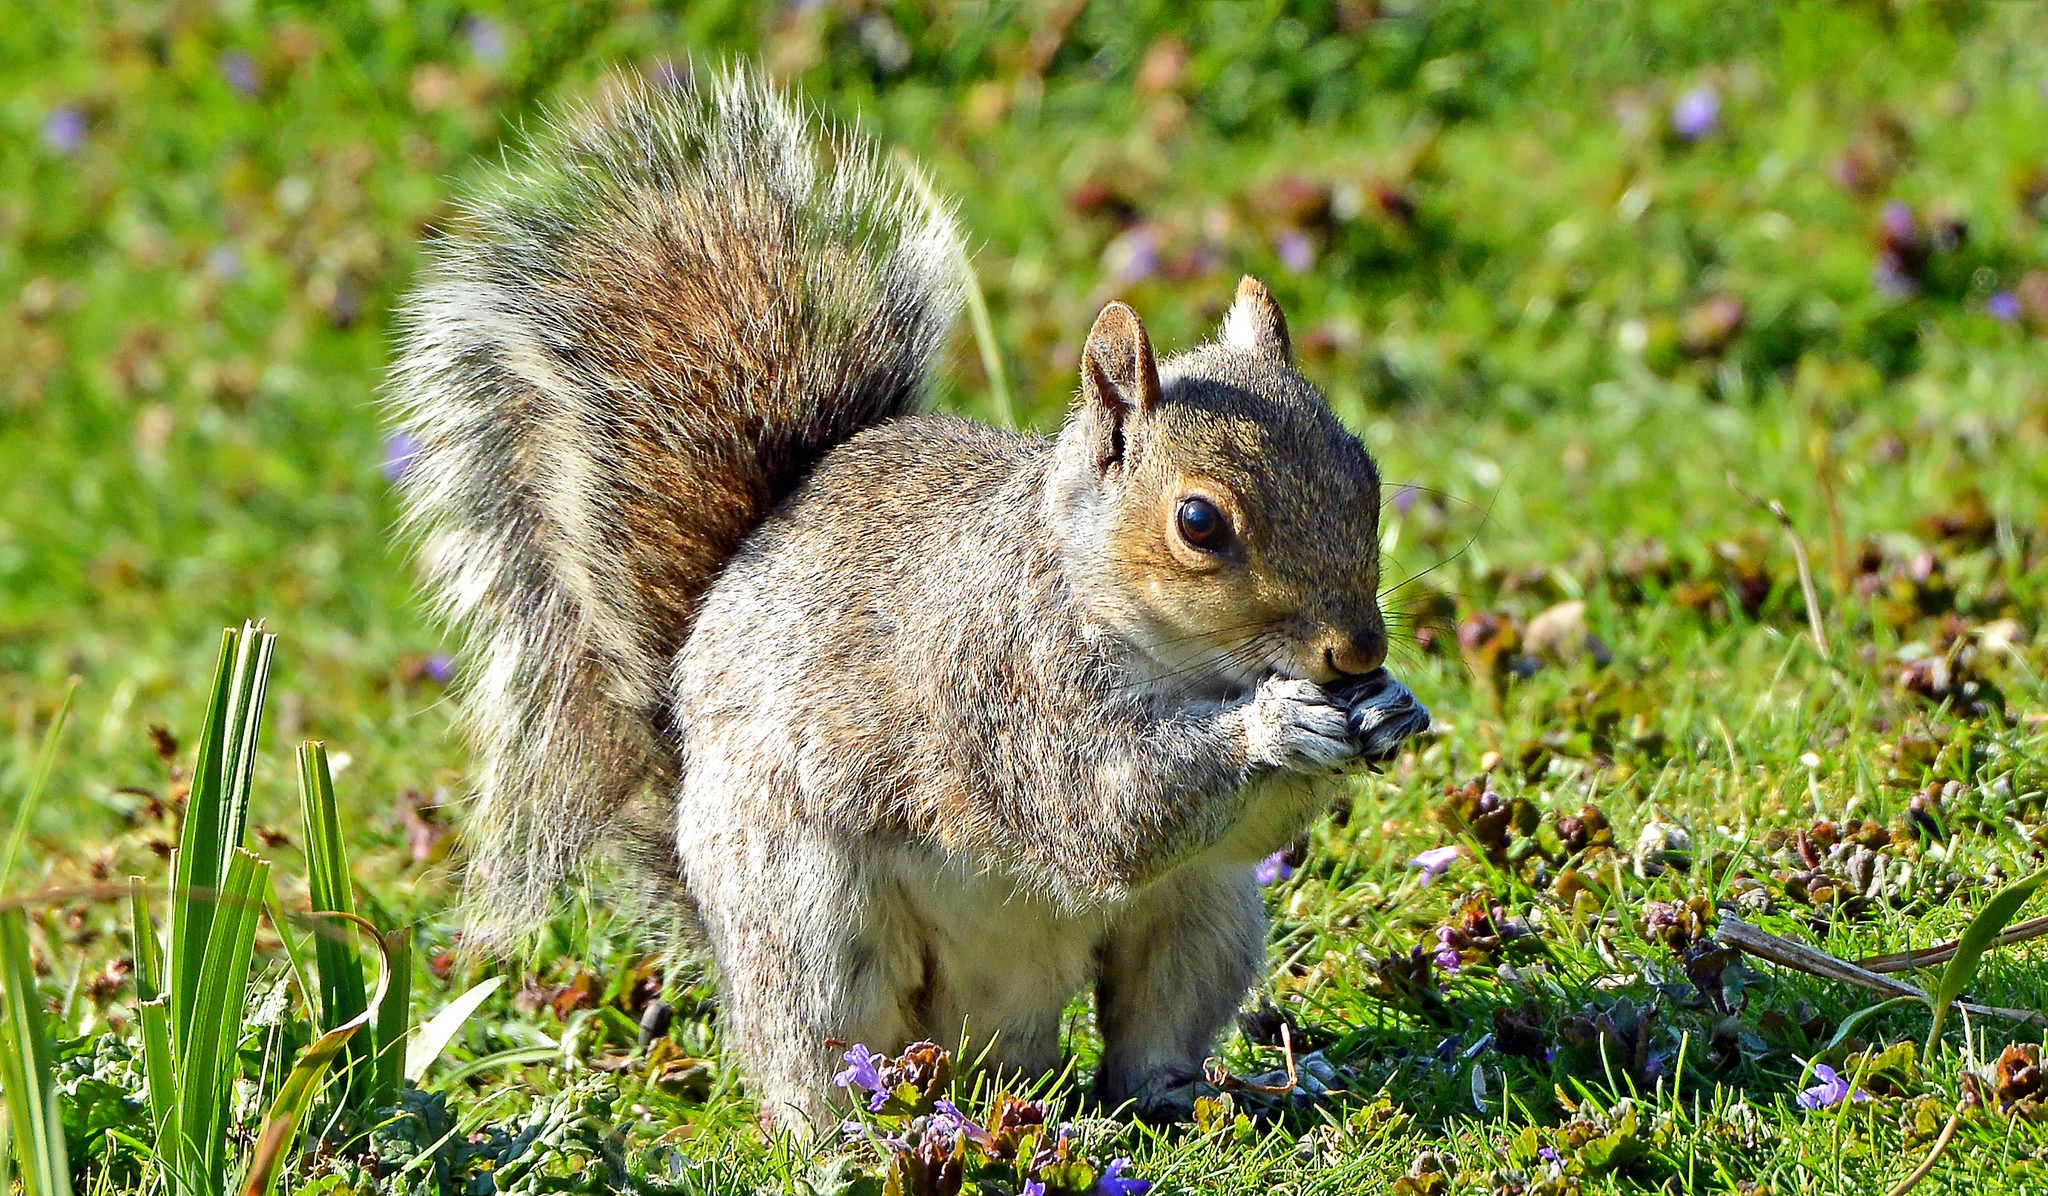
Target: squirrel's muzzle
pixel 1384 714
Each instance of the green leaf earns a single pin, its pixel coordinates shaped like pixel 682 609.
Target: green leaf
pixel 26 1068
pixel 440 1029
pixel 1975 940
pixel 342 999
pixel 216 814
pixel 160 1070
pixel 40 777
pixel 207 1065
pixel 394 1010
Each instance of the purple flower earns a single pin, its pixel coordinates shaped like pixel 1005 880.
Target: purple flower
pixel 2003 305
pixel 1296 251
pixel 401 449
pixel 1446 953
pixel 239 70
pixel 1435 862
pixel 439 668
pixel 486 39
pixel 64 129
pixel 1831 1091
pixel 1549 1155
pixel 1697 113
pixel 1113 1182
pixel 1405 499
pixel 1033 1187
pixel 953 1122
pixel 1897 222
pixel 860 1069
pixel 1134 256
pixel 1274 868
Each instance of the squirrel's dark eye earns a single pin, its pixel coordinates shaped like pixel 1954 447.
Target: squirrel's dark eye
pixel 1202 525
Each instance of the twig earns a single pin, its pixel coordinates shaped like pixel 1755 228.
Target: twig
pixel 1947 1135
pixel 1813 619
pixel 1924 957
pixel 1814 962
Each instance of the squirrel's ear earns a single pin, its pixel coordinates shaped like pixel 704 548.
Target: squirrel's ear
pixel 1119 378
pixel 1254 323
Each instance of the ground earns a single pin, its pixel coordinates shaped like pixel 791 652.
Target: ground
pixel 1596 282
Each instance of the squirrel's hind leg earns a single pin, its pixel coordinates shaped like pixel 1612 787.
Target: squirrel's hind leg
pixel 812 955
pixel 1174 968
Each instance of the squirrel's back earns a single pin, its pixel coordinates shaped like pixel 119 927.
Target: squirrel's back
pixel 637 343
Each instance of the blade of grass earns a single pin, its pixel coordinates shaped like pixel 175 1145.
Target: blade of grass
pixel 196 866
pixel 342 999
pixel 149 961
pixel 206 1068
pixel 26 1068
pixel 160 1070
pixel 1971 945
pixel 440 1029
pixel 37 779
pixel 394 1008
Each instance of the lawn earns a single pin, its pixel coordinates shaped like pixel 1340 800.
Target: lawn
pixel 1598 283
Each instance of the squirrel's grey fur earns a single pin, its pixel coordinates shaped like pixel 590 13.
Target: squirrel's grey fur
pixel 942 724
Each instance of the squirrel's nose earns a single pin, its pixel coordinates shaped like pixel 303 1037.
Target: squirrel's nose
pixel 1357 653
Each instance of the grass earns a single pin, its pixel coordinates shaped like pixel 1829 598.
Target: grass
pixel 1580 341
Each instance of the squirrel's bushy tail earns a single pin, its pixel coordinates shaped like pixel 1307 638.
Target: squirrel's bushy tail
pixel 635 344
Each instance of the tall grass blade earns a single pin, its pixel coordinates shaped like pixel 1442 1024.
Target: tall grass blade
pixel 160 1068
pixel 37 779
pixel 197 865
pixel 26 1069
pixel 342 999
pixel 1971 945
pixel 206 1067
pixel 149 957
pixel 394 1008
pixel 439 1031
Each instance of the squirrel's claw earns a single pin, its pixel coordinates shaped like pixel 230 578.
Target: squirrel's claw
pixel 1383 714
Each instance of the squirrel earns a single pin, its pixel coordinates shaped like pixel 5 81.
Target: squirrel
pixel 927 726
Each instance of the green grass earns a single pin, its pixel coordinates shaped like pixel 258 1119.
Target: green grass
pixel 1585 341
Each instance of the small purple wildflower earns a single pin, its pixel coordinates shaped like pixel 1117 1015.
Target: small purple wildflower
pixel 240 71
pixel 1435 862
pixel 1033 1187
pixel 64 129
pixel 2004 305
pixel 1897 222
pixel 1405 499
pixel 1134 256
pixel 1446 953
pixel 952 1121
pixel 439 668
pixel 1296 251
pixel 486 39
pixel 401 449
pixel 1549 1155
pixel 1113 1182
pixel 1274 868
pixel 1697 113
pixel 1831 1091
pixel 860 1069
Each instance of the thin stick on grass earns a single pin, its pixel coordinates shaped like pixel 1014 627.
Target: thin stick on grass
pixel 1814 962
pixel 1941 1141
pixel 1812 596
pixel 1927 957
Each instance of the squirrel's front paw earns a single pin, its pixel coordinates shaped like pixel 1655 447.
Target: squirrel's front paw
pixel 1298 725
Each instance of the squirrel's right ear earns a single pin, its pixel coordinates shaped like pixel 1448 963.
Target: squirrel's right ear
pixel 1119 379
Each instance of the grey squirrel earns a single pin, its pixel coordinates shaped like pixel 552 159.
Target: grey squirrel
pixel 927 725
